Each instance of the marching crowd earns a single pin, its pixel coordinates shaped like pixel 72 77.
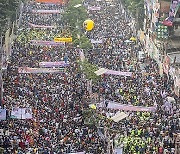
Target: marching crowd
pixel 59 100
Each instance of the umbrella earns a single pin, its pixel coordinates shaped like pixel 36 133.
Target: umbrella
pixel 132 39
pixel 92 106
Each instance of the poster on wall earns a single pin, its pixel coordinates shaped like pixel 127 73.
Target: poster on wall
pixel 175 4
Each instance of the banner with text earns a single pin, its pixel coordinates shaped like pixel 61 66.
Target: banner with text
pixel 21 113
pixel 28 70
pixel 53 64
pixel 46 43
pixel 116 106
pixel 2 114
pixel 112 72
pixel 46 11
pixel 96 41
pixel 63 39
pixel 41 26
pixel 94 8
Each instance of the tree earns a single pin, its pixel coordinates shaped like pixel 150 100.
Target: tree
pixel 136 7
pixel 74 17
pixel 88 69
pixel 7 13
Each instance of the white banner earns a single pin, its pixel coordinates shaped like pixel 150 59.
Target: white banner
pixel 46 11
pixel 94 8
pixel 96 41
pixel 39 70
pixel 21 113
pixel 119 116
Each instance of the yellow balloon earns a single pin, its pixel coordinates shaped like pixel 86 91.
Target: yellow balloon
pixel 88 25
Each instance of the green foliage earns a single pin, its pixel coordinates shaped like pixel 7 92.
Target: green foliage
pixel 75 16
pixel 7 12
pixel 83 42
pixel 136 7
pixel 88 69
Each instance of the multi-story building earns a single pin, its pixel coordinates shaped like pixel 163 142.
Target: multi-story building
pixel 162 36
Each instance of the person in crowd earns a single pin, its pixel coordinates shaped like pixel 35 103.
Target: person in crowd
pixel 59 100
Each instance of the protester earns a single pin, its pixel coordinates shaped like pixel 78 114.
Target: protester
pixel 59 100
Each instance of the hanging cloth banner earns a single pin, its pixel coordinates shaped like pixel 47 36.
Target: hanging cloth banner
pixel 53 64
pixel 96 41
pixel 2 114
pixel 46 43
pixel 81 54
pixel 21 113
pixel 28 70
pixel 46 11
pixel 175 4
pixel 119 116
pixel 94 8
pixel 112 72
pixel 116 106
pixel 52 1
pixel 63 39
pixel 40 26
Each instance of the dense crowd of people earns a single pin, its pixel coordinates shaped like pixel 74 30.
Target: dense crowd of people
pixel 59 100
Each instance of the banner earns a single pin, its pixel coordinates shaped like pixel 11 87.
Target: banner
pixel 96 41
pixel 26 113
pixel 166 65
pixel 16 113
pixel 175 4
pixel 2 114
pixel 52 1
pixel 40 26
pixel 119 116
pixel 21 113
pixel 94 8
pixel 118 151
pixel 81 54
pixel 77 153
pixel 46 11
pixel 39 70
pixel 53 64
pixel 112 72
pixel 113 105
pixel 63 39
pixel 101 71
pixel 46 43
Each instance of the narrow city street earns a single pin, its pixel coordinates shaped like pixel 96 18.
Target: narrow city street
pixel 62 95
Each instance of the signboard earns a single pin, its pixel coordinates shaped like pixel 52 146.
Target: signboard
pixel 63 39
